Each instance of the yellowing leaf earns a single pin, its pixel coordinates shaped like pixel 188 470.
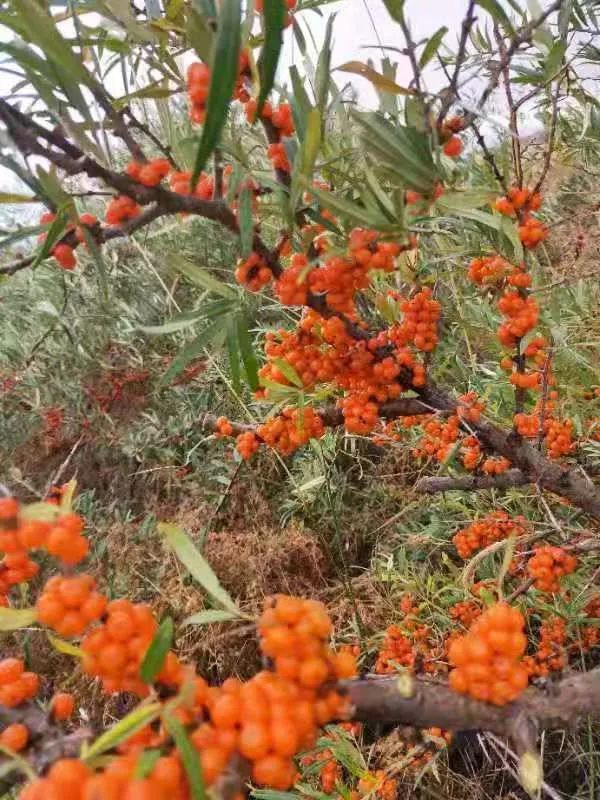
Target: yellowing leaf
pixel 61 646
pixel 12 619
pixel 376 78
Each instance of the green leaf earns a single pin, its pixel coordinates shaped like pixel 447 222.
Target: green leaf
pixel 157 652
pixel 432 46
pixel 234 356
pixel 273 16
pixel 378 80
pixel 98 258
pixel 8 197
pixel 554 59
pixel 210 616
pixel 55 231
pixel 199 34
pixel 126 727
pixel 67 648
pixel 301 105
pixel 199 276
pixel 350 211
pixel 498 14
pixel 146 762
pixel 153 91
pixel 323 72
pixel 225 68
pixel 247 353
pixel 214 334
pixel 394 8
pixel 12 619
pixel 307 155
pixel 288 371
pixel 178 322
pixel 189 756
pixel 196 564
pixel 403 150
pixel 245 221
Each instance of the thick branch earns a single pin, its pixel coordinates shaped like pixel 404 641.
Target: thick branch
pixel 560 706
pixel 466 483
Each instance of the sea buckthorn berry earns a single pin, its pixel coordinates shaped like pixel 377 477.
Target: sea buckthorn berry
pixel 223 427
pixel 291 287
pixel 488 270
pixel 551 654
pixel 495 466
pixel 559 438
pixel 253 273
pixel 278 157
pixel 14 737
pixel 523 200
pixel 150 173
pixel 114 651
pixel 493 528
pixel 532 232
pixel 548 565
pixel 120 209
pixel 62 705
pixel 487 660
pixel 453 147
pixel 247 444
pixel 65 255
pixel 291 429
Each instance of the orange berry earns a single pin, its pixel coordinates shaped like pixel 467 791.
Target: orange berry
pixel 62 705
pixel 14 737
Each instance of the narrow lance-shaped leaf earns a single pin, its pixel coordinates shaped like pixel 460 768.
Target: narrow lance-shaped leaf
pixel 213 334
pixel 323 73
pixel 126 727
pixel 196 564
pixel 225 68
pixel 157 652
pixel 11 619
pixel 247 353
pixel 234 356
pixel 189 757
pixel 432 46
pixel 378 80
pixel 273 19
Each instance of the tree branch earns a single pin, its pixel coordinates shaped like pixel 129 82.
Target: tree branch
pixel 560 706
pixel 466 483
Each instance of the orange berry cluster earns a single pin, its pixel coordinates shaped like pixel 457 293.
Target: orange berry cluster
pixel 532 232
pixel 253 272
pixel 224 427
pixel 64 253
pixel 291 429
pixel 329 769
pixel 16 685
pixel 523 315
pixel 518 200
pixel 378 784
pixel 489 270
pixel 121 209
pixel 280 117
pixel 548 565
pixel 483 532
pixel 559 437
pixel 114 650
pixel 470 452
pixel 419 324
pixel 495 466
pixel 465 612
pixel 396 651
pixel 452 144
pixel 439 439
pixel 198 86
pixel 550 655
pixel 150 173
pixel 278 157
pixel 487 660
pixel 69 605
pixel 181 183
pixel 247 444
pixel 62 539
pixel 469 407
